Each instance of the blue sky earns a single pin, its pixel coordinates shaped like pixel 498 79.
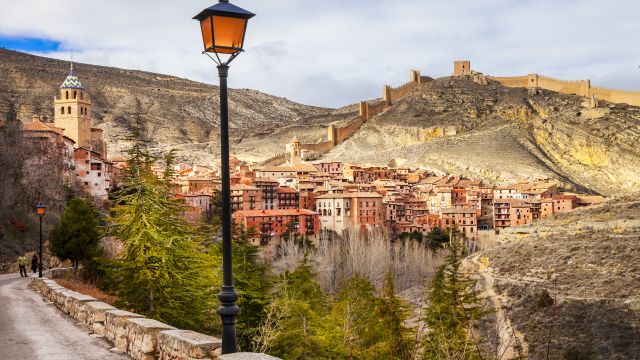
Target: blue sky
pixel 29 44
pixel 336 52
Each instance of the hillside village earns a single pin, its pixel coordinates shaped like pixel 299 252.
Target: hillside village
pixel 311 198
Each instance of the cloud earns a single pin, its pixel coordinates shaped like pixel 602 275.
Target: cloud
pixel 332 53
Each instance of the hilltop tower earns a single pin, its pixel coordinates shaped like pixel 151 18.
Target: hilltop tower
pixel 72 108
pixel 293 148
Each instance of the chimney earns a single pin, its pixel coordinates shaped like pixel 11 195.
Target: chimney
pixel 35 118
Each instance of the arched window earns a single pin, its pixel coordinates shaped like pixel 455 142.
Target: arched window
pixel 81 95
pixel 62 110
pixel 81 111
pixel 75 94
pixel 67 93
pixel 69 109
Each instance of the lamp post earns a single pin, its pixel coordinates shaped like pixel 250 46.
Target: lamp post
pixel 223 27
pixel 40 210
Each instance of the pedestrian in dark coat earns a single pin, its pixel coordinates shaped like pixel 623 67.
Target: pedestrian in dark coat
pixel 34 263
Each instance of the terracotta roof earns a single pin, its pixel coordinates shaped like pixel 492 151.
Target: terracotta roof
pixel 243 187
pixel 286 190
pixel 40 126
pixel 289 212
pixel 355 194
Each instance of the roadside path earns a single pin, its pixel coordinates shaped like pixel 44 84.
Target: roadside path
pixel 31 328
pixel 510 341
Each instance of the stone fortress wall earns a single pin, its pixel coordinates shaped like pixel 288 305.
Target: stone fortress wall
pixel 573 87
pixel 367 110
pixel 139 337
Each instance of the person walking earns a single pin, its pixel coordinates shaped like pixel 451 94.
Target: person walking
pixel 34 263
pixel 22 264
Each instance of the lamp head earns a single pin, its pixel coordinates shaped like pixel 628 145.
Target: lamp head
pixel 223 27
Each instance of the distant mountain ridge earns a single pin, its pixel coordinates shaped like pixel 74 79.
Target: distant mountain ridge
pixel 179 113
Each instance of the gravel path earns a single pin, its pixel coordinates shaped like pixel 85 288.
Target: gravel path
pixel 31 328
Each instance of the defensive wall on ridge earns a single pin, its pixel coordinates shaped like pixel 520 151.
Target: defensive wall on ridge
pixel 367 110
pixel 573 87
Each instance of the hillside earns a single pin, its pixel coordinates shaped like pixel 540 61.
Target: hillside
pixel 456 125
pixel 179 113
pixel 587 260
pixel 460 126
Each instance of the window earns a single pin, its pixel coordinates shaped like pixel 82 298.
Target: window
pixel 81 95
pixel 62 110
pixel 87 173
pixel 69 109
pixel 99 174
pixel 75 94
pixel 67 94
pixel 86 183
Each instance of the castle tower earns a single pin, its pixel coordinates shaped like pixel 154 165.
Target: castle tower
pixel 462 67
pixel 72 108
pixel 295 158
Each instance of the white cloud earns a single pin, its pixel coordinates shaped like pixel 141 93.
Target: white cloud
pixel 334 52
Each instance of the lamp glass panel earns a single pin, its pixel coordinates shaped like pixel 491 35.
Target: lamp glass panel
pixel 229 33
pixel 207 35
pixel 41 210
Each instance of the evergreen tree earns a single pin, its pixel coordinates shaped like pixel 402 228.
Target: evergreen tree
pixel 76 236
pixel 303 299
pixel 437 238
pixel 165 271
pixel 394 313
pixel 453 311
pixel 12 113
pixel 353 329
pixel 252 282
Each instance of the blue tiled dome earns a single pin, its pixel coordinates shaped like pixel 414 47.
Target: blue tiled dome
pixel 72 81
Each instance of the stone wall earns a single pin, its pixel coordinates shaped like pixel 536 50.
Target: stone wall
pixel 573 87
pixel 338 134
pixel 140 337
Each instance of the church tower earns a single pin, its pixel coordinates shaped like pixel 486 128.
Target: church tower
pixel 72 108
pixel 293 148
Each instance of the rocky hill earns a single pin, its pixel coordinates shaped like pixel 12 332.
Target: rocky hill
pixel 455 125
pixel 461 126
pixel 571 283
pixel 179 113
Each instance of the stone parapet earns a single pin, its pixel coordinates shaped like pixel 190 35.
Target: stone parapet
pixel 96 317
pixel 140 337
pixel 116 327
pixel 187 345
pixel 246 356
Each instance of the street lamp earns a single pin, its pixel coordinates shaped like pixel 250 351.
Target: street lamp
pixel 223 27
pixel 40 210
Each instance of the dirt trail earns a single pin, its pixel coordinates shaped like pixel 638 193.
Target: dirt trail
pixel 510 342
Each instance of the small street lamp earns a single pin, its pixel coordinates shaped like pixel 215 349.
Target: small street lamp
pixel 40 210
pixel 223 27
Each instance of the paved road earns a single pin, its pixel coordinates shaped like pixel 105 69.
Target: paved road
pixel 33 329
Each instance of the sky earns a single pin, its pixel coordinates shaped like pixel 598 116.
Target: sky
pixel 333 53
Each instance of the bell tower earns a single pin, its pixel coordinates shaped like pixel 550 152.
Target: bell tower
pixel 72 108
pixel 293 148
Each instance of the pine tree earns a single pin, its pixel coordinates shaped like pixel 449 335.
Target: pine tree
pixel 453 311
pixel 354 329
pixel 394 313
pixel 76 236
pixel 302 298
pixel 165 271
pixel 253 284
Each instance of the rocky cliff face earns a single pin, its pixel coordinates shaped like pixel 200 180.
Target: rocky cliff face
pixel 570 283
pixel 456 125
pixel 178 113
